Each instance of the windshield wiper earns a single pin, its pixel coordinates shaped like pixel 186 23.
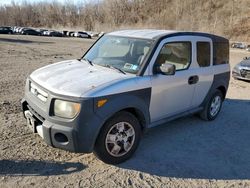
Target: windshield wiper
pixel 85 59
pixel 113 67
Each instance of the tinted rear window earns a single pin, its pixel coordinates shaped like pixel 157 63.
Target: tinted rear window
pixel 221 53
pixel 203 54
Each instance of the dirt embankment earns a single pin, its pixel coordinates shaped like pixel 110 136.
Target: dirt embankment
pixel 185 153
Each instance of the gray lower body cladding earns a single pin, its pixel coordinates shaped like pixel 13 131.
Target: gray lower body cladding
pixel 75 136
pixel 79 134
pixel 220 81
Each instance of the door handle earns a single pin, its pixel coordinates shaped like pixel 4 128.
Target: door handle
pixel 193 79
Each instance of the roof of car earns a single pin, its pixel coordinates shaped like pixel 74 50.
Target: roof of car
pixel 156 34
pixel 144 33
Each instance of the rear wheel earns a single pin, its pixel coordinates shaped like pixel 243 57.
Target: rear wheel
pixel 213 106
pixel 118 139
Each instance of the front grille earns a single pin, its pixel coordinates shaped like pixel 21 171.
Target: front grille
pixel 37 116
pixel 38 92
pixel 245 73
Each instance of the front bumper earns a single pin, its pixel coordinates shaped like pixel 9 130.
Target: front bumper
pixel 53 134
pixel 238 75
pixel 77 136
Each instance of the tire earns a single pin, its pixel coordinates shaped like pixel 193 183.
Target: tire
pixel 112 149
pixel 212 107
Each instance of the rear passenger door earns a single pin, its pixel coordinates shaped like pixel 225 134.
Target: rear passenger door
pixel 202 65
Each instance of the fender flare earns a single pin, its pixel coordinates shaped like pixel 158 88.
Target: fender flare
pixel 220 80
pixel 119 102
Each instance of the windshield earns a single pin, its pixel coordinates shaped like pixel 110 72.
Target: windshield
pixel 123 53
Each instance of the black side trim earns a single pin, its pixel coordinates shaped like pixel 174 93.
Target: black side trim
pixel 215 38
pixel 171 118
pixel 136 99
pixel 220 81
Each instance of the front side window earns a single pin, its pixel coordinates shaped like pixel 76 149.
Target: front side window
pixel 203 54
pixel 175 53
pixel 124 53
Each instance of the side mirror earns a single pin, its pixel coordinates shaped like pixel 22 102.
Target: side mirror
pixel 166 69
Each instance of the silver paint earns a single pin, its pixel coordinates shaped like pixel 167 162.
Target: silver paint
pixel 145 33
pixel 73 78
pixel 172 94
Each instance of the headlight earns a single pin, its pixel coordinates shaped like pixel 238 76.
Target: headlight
pixel 237 68
pixel 66 109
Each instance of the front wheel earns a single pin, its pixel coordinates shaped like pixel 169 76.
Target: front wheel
pixel 118 139
pixel 213 106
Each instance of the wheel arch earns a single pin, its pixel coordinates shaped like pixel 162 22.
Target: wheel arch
pixel 136 103
pixel 139 116
pixel 134 111
pixel 223 90
pixel 220 82
pixel 104 150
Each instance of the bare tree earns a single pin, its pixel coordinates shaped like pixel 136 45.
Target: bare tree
pixel 218 16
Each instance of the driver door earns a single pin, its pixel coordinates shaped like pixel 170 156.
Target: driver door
pixel 172 94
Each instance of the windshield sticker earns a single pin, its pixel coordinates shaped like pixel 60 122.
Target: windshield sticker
pixel 134 67
pixel 130 66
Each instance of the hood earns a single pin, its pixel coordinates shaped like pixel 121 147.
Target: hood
pixel 74 78
pixel 245 63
